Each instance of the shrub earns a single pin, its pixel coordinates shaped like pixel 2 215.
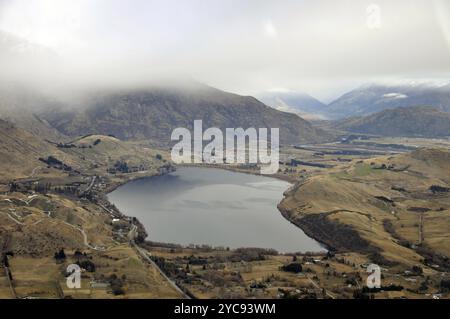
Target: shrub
pixel 60 255
pixel 116 285
pixel 417 270
pixel 87 264
pixel 292 267
pixel 445 285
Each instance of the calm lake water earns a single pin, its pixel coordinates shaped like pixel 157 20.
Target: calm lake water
pixel 213 207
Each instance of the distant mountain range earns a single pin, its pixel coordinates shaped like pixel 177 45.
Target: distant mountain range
pixel 300 103
pixel 419 121
pixel 406 109
pixel 153 112
pixel 365 100
pixel 148 113
pixel 370 99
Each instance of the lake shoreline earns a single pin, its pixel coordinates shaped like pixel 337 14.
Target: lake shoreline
pixel 285 178
pixel 229 169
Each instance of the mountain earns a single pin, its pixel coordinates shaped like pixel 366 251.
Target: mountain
pixel 153 113
pixel 404 121
pixel 373 98
pixel 299 103
pixel 20 106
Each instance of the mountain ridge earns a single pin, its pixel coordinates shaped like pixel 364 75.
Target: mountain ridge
pixel 419 121
pixel 373 98
pixel 153 113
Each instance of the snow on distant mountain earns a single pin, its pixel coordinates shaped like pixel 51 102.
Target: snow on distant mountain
pixel 373 98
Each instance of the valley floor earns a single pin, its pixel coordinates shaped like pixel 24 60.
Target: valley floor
pixel 368 201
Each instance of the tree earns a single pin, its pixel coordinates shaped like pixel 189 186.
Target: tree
pixel 116 285
pixel 417 270
pixel 60 255
pixel 121 166
pixel 439 189
pixel 87 264
pixel 77 254
pixel 358 294
pixel 445 285
pixel 423 286
pixel 13 187
pixel 292 267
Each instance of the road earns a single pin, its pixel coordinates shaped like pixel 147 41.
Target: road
pixel 143 253
pixel 112 213
pixel 83 233
pixel 85 239
pixel 35 170
pixel 421 229
pixel 316 285
pixel 14 220
pixel 91 184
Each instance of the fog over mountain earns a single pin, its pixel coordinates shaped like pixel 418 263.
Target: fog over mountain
pixel 63 55
pixel 153 113
pixel 247 47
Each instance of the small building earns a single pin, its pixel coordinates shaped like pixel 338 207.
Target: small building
pixel 99 285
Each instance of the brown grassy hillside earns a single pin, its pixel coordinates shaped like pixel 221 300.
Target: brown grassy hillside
pixel 381 206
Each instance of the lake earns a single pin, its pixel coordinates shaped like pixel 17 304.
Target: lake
pixel 213 207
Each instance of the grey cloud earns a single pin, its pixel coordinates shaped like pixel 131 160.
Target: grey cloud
pixel 321 47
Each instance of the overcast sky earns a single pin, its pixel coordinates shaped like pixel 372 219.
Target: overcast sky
pixel 244 46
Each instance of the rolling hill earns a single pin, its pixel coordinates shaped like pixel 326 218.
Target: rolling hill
pixel 21 154
pixel 394 206
pixel 20 151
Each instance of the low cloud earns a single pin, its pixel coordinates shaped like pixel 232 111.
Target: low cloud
pixel 320 47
